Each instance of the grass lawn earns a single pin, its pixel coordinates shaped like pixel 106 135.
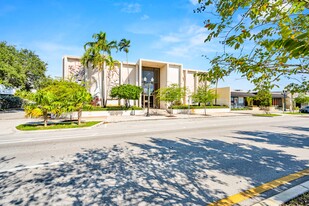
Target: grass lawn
pixel 295 113
pixel 266 115
pixel 299 201
pixel 60 125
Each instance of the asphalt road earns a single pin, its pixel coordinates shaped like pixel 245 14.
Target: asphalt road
pixel 162 162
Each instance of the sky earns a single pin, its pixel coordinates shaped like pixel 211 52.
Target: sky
pixel 163 30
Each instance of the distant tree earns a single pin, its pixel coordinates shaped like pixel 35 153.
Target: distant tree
pixel 171 94
pixel 124 45
pixel 204 95
pixel 126 92
pixel 217 73
pixel 249 101
pixel 265 99
pixel 302 99
pixel 21 69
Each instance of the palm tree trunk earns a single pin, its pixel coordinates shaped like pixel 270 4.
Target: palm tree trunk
pixel 79 116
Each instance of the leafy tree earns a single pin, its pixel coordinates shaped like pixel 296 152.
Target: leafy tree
pixel 20 68
pixel 124 45
pixel 204 95
pixel 272 37
pixel 43 103
pixel 70 96
pixel 171 94
pixel 265 99
pixel 126 92
pixel 59 97
pixel 302 99
pixel 249 101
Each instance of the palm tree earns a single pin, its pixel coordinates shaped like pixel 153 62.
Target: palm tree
pixel 124 45
pixel 97 52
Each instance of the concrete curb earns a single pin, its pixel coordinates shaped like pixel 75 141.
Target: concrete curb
pixel 285 196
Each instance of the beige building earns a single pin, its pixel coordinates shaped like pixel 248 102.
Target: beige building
pixel 163 74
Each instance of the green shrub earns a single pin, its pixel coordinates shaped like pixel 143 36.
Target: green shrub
pixel 9 102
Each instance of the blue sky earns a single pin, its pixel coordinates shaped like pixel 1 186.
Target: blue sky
pixel 165 30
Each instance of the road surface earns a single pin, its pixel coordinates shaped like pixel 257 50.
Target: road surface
pixel 164 162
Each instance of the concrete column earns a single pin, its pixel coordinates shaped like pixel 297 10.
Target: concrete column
pixel 139 79
pixel 195 82
pixel 64 67
pixel 120 80
pixel 185 75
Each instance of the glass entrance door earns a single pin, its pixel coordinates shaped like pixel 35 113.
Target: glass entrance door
pixel 151 99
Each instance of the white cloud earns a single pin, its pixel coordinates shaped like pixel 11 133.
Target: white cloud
pixel 194 2
pixel 131 8
pixel 144 17
pixel 188 41
pixel 170 38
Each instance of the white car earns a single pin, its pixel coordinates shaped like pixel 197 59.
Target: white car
pixel 304 109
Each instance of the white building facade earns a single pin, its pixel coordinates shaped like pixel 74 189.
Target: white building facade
pixel 163 74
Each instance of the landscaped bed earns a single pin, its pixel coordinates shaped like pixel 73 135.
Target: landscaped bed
pixel 198 107
pixel 55 125
pixel 112 108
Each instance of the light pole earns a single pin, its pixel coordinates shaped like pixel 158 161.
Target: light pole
pixel 148 93
pixel 284 92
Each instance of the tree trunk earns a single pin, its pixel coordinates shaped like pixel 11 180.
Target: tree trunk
pixel 79 116
pixel 216 92
pixel 205 109
pixel 45 118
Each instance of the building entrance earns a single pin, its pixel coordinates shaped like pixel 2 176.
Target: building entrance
pixel 151 99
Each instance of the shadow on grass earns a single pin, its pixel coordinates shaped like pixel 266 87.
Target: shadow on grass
pixel 185 171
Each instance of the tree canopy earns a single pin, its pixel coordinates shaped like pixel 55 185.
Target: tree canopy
pixel 126 92
pixel 58 97
pixel 270 39
pixel 20 68
pixel 171 94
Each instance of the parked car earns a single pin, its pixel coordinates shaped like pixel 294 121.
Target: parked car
pixel 304 109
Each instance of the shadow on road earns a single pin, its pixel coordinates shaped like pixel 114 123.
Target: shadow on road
pixel 281 139
pixel 186 171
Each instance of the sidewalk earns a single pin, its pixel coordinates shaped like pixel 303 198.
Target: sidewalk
pixel 114 119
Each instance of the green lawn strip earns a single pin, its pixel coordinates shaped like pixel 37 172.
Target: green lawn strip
pixel 295 113
pixel 110 108
pixel 198 107
pixel 266 115
pixel 300 200
pixel 60 125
